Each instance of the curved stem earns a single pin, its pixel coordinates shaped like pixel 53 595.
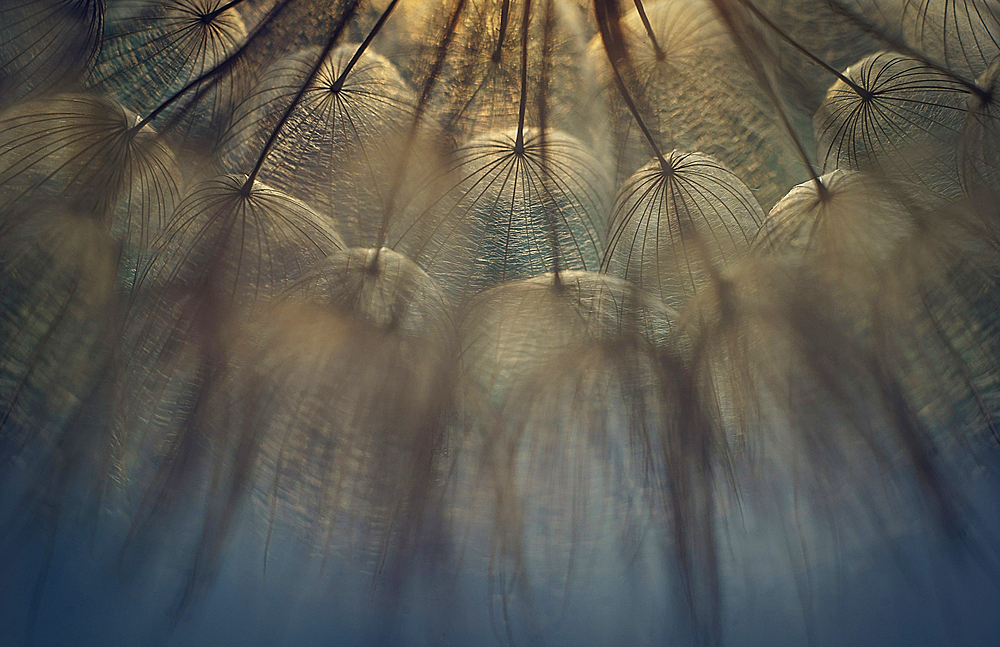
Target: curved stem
pixel 614 47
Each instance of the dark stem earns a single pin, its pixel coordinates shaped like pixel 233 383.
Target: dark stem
pixel 738 31
pixel 862 92
pixel 339 83
pixel 660 54
pixel 212 15
pixel 504 21
pixel 418 114
pixel 342 21
pixel 614 47
pixel 543 118
pixel 216 71
pixel 901 47
pixel 522 107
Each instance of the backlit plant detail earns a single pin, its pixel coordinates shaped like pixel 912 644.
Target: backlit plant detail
pixel 524 321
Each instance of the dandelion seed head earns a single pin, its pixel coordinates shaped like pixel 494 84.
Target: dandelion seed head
pixel 513 214
pixel 670 232
pixel 239 247
pixel 375 321
pixel 699 97
pixel 906 124
pixel 338 148
pixel 46 45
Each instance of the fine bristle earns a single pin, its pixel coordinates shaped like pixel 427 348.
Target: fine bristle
pixel 430 322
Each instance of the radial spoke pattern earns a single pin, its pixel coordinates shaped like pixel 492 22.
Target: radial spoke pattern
pixel 437 322
pixel 698 96
pixel 964 35
pixel 513 214
pixel 46 45
pixel 673 228
pixel 153 49
pixel 80 150
pixel 903 120
pixel 340 147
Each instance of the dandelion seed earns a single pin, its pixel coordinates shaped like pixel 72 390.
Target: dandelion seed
pixel 584 306
pixel 350 371
pixel 672 229
pixel 701 98
pixel 238 246
pixel 832 38
pixel 83 151
pixel 593 416
pixel 913 279
pixel 47 45
pixel 960 34
pixel 338 350
pixel 338 148
pixel 903 120
pixel 223 255
pixel 514 213
pixel 152 50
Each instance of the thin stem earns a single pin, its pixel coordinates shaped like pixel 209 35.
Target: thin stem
pixel 339 83
pixel 862 92
pixel 522 107
pixel 418 114
pixel 984 95
pixel 738 31
pixel 212 15
pixel 348 13
pixel 543 118
pixel 542 98
pixel 614 46
pixel 504 21
pixel 215 71
pixel 660 54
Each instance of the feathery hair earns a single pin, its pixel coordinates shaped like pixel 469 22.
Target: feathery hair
pixel 529 321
